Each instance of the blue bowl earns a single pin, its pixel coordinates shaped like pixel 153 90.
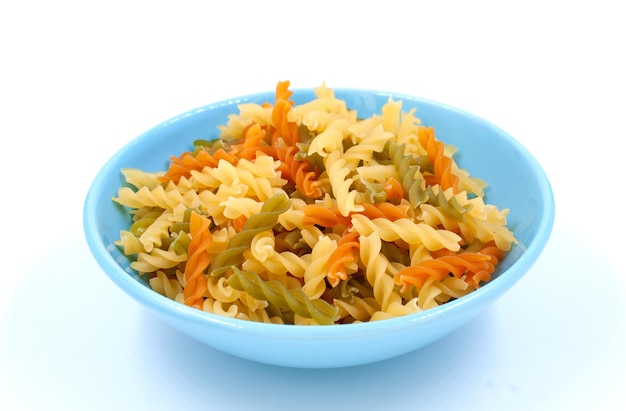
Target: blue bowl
pixel 516 181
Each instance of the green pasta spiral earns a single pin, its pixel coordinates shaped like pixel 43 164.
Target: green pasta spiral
pixel 375 193
pixel 407 166
pixel 142 223
pixel 278 295
pixel 450 207
pixel 240 242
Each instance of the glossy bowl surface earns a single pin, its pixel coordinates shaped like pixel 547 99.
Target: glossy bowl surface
pixel 516 181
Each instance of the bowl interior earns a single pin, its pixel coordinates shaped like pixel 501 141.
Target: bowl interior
pixel 516 181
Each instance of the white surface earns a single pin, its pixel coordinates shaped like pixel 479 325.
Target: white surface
pixel 78 80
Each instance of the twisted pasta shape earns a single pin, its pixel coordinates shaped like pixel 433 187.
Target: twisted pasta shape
pixel 495 254
pixel 453 287
pixel 397 309
pixel 315 274
pixel 130 243
pixel 442 164
pixel 256 113
pixel 158 230
pixel 408 170
pixel 252 142
pixel 376 267
pixel 284 128
pixel 407 230
pixel 263 250
pixel 317 119
pixel 323 216
pixel 240 242
pixel 393 189
pixel 183 165
pixel 374 193
pixel 256 178
pixel 140 178
pixel 373 142
pixel 291 299
pixel 317 114
pixel 480 221
pixel 248 113
pixel 143 218
pixel 433 216
pixel 198 261
pixel 157 197
pixel 428 294
pixel 467 183
pixel 407 132
pixel 360 309
pixel 490 228
pixel 221 308
pixel 331 216
pixel 298 172
pixel 220 290
pixel 385 210
pixel 156 260
pixel 237 207
pixel 331 139
pixel 448 204
pixel 391 115
pixel 214 203
pixel 341 183
pixel 439 268
pixel 166 286
pixel 342 256
pixel 376 172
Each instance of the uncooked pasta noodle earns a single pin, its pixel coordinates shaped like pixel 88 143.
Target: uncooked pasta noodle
pixel 310 214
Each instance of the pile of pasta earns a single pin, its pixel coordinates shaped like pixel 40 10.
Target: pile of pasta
pixel 308 214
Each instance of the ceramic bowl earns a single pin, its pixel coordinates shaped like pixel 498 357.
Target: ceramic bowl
pixel 516 181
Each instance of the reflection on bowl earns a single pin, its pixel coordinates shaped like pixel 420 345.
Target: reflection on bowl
pixel 516 182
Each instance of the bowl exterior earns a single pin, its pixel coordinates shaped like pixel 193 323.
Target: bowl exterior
pixel 516 181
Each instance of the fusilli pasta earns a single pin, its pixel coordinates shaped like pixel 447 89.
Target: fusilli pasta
pixel 307 214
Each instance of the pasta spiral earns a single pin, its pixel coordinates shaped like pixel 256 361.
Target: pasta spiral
pixel 292 299
pixel 408 231
pixel 441 162
pixel 198 260
pixel 475 266
pixel 408 169
pixel 265 220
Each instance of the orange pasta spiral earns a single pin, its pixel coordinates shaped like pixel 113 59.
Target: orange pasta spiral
pixel 441 163
pixel 183 165
pixel 323 216
pixel 284 128
pixel 495 255
pixel 393 189
pixel 344 254
pixel 477 266
pixel 198 261
pixel 284 138
pixel 298 172
pixel 252 142
pixel 384 210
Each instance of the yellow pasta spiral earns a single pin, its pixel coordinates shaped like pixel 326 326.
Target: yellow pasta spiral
pixel 407 230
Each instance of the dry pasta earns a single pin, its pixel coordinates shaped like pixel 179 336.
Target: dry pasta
pixel 307 214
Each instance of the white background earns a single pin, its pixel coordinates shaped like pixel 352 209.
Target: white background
pixel 79 80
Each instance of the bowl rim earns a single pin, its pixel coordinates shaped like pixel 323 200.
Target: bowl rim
pixel 171 308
